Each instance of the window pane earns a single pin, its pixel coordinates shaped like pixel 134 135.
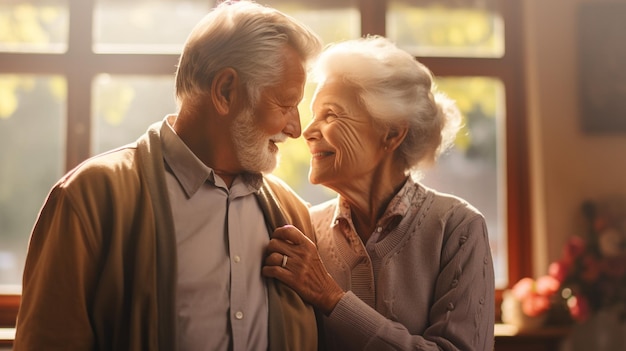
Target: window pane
pixel 332 20
pixel 148 26
pixel 32 110
pixel 34 26
pixel 124 107
pixel 474 168
pixel 435 30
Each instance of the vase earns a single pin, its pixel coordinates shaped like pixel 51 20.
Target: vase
pixel 602 331
pixel 512 314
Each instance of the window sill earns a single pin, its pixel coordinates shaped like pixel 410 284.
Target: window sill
pixel 7 335
pixel 9 305
pixel 509 338
pixel 506 336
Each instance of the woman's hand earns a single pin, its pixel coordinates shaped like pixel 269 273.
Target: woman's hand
pixel 293 259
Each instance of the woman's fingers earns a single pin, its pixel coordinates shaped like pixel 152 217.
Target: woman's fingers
pixel 290 242
pixel 291 234
pixel 274 259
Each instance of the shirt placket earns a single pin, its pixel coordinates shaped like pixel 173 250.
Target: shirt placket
pixel 237 280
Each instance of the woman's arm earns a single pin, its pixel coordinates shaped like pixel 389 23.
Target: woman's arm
pixel 303 270
pixel 461 316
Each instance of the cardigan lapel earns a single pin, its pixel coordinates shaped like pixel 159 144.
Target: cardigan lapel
pixel 151 157
pixel 292 324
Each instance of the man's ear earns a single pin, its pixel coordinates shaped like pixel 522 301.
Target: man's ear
pixel 224 90
pixel 394 136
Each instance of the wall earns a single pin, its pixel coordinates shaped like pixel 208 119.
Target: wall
pixel 568 165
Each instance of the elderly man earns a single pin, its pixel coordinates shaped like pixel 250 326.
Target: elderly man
pixel 158 245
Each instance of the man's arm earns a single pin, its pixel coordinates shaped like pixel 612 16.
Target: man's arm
pixel 58 281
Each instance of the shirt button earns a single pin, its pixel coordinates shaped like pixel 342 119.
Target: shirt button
pixel 379 229
pixel 237 259
pixel 455 282
pixel 450 306
pixel 239 315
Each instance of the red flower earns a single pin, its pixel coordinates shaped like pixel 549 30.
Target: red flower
pixel 523 288
pixel 535 305
pixel 547 285
pixel 578 308
pixel 559 270
pixel 534 295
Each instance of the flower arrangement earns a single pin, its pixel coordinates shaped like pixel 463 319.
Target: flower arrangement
pixel 590 275
pixel 535 295
pixel 592 269
pixel 526 304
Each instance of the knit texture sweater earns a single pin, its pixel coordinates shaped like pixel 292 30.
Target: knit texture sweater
pixel 424 280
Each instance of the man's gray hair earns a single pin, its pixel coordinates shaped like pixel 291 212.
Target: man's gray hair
pixel 247 37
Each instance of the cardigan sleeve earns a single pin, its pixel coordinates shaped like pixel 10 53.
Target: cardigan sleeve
pixel 461 316
pixel 463 311
pixel 58 281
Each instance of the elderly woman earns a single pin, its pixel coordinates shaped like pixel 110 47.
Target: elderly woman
pixel 398 265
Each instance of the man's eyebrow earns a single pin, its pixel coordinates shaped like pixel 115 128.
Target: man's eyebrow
pixel 288 97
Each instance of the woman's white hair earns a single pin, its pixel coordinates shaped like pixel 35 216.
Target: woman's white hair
pixel 247 37
pixel 397 91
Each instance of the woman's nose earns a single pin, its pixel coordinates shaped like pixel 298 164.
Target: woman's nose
pixel 311 132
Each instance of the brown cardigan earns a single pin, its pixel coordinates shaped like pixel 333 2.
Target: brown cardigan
pixel 100 272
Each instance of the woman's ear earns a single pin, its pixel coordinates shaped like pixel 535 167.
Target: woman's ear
pixel 224 89
pixel 394 136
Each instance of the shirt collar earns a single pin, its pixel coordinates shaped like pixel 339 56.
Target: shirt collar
pixel 397 209
pixel 187 168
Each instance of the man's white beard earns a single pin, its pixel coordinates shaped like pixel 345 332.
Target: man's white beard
pixel 252 146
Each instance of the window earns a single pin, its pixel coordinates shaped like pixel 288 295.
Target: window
pixel 123 106
pixel 153 26
pixel 32 115
pixel 81 77
pixel 34 26
pixel 438 30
